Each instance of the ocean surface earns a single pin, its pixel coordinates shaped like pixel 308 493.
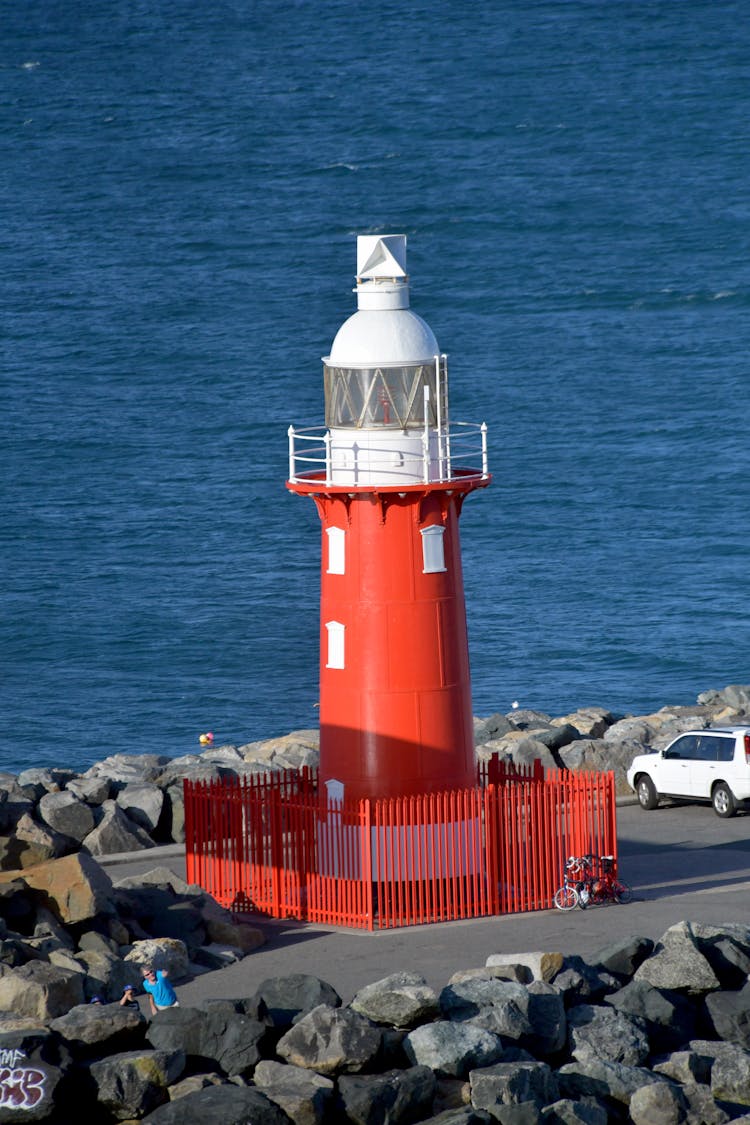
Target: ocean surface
pixel 181 187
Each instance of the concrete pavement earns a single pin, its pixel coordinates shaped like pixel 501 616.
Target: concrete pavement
pixel 683 862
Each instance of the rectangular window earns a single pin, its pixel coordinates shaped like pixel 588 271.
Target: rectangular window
pixel 336 550
pixel 335 644
pixel 433 551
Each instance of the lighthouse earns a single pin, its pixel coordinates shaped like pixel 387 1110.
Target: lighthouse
pixel 389 473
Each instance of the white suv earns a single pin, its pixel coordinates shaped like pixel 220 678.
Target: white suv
pixel 700 765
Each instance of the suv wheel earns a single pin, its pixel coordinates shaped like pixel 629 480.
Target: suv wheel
pixel 648 798
pixel 723 800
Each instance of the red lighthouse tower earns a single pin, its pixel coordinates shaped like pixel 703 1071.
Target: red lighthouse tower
pixel 389 474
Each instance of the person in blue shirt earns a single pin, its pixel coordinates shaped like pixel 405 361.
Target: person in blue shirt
pixel 161 995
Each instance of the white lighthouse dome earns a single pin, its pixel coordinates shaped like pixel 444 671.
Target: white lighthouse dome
pixel 375 337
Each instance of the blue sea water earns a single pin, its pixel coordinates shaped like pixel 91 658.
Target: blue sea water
pixel 181 189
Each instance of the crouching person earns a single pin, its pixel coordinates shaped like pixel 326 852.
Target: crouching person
pixel 161 995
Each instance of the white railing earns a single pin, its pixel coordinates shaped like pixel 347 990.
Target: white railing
pixel 428 455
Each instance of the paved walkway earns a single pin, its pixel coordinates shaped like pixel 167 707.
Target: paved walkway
pixel 684 863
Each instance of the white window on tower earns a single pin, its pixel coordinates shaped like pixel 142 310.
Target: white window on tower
pixel 336 550
pixel 335 644
pixel 433 549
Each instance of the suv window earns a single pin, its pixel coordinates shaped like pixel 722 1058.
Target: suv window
pixel 685 747
pixel 724 749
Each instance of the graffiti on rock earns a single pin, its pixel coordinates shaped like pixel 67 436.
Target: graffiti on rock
pixel 21 1087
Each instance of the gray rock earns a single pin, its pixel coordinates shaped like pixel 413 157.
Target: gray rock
pixel 465 1115
pixel 48 926
pixel 280 1001
pixel 115 833
pixel 129 768
pixel 669 1018
pixel 396 1096
pixel 579 981
pixel 629 730
pixel 91 941
pixel 623 956
pixel 44 780
pixel 662 1102
pixel 685 1067
pixel 730 1074
pixel 541 966
pixel 400 1000
pixel 302 1094
pixel 524 718
pixel 216 1034
pixel 64 813
pixel 678 964
pixel 589 722
pixel 106 973
pixel 729 1013
pixel 585 754
pixel 605 1033
pixel 702 1109
pixel 498 1006
pixel 29 1092
pixel 92 790
pixel 600 1079
pixel 192 1084
pixel 162 877
pixel 40 990
pixel 32 843
pixel 548 1020
pixel 101 1027
pixel 331 1041
pixel 530 749
pixel 512 971
pixel 493 727
pixel 134 1082
pixel 225 1105
pixel 567 1112
pixel 142 802
pixel 734 695
pixel 162 953
pixel 511 1083
pixel 555 736
pixel 727 949
pixel 174 813
pixel 452 1049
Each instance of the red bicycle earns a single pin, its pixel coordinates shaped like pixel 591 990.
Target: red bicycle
pixel 588 880
pixel 600 882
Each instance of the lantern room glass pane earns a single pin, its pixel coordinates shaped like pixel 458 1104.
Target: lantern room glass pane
pixel 361 397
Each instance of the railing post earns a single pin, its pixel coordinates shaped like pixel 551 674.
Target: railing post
pixel 439 396
pixel 483 428
pixel 327 442
pixel 365 820
pixel 290 435
pixel 426 436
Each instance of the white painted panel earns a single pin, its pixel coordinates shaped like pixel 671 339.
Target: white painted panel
pixel 433 549
pixel 336 550
pixel 335 644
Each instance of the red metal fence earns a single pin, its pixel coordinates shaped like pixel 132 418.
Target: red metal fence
pixel 273 844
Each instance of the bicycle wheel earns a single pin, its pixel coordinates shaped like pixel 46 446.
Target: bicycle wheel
pixel 566 898
pixel 621 892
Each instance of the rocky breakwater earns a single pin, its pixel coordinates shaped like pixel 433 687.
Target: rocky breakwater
pixel 131 802
pixel 639 1032
pixel 68 935
pixel 593 738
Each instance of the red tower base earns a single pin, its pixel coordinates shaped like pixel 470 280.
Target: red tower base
pixel 269 845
